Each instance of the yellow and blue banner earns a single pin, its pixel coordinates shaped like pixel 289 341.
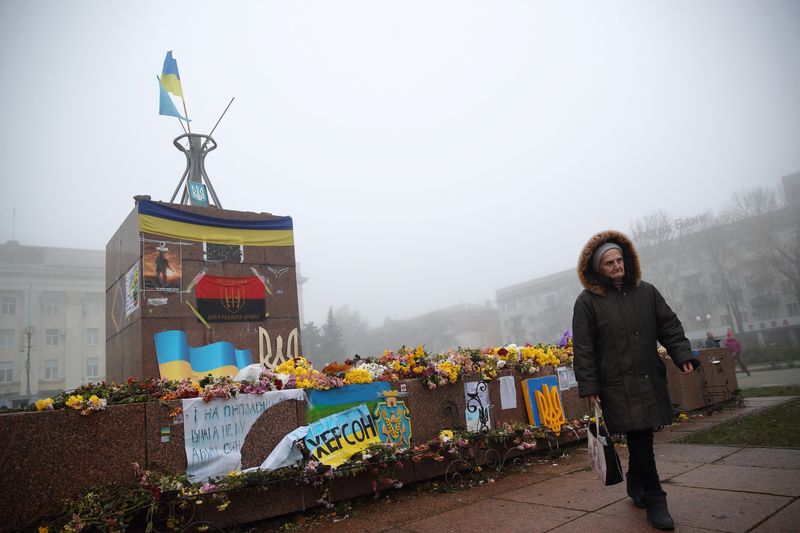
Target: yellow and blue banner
pixel 166 106
pixel 177 360
pixel 160 219
pixel 334 439
pixel 170 82
pixel 170 77
pixel 322 403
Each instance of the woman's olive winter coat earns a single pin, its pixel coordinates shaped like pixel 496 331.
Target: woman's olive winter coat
pixel 614 340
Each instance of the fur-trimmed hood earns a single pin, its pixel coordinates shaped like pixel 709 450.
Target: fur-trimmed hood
pixel 594 282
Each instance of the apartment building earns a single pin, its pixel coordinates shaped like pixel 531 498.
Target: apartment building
pixel 52 320
pixel 743 275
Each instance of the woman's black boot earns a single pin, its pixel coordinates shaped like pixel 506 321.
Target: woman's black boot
pixel 635 490
pixel 657 512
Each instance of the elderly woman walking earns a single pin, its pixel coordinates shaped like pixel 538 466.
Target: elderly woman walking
pixel 617 322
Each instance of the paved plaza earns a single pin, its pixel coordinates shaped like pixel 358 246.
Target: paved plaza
pixel 710 488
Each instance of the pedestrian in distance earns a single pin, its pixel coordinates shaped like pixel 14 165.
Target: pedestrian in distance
pixel 711 342
pixel 617 322
pixel 736 350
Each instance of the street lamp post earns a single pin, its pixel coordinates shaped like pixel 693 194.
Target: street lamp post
pixel 703 322
pixel 28 333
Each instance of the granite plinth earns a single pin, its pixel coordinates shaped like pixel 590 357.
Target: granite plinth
pixel 56 455
pixel 685 390
pixel 433 410
pixel 252 504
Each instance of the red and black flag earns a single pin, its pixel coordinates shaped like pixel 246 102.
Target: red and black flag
pixel 223 299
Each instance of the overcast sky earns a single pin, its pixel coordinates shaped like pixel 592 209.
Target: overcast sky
pixel 429 152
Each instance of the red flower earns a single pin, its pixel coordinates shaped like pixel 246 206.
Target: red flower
pixel 502 351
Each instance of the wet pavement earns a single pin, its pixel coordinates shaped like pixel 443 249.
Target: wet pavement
pixel 710 488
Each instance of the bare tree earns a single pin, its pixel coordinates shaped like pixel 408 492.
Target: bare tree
pixel 781 250
pixel 652 229
pixel 749 203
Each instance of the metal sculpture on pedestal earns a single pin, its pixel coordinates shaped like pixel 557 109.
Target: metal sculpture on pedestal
pixel 197 185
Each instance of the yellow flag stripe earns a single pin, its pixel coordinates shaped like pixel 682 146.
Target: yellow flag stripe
pixel 200 233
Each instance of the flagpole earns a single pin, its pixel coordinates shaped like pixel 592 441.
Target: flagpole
pixel 217 124
pixel 185 113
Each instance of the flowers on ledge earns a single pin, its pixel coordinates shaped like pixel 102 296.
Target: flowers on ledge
pixel 435 370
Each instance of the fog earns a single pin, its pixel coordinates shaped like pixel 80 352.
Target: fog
pixel 429 152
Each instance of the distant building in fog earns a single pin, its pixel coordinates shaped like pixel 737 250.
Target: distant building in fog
pixel 717 278
pixel 538 311
pixel 57 294
pixel 464 325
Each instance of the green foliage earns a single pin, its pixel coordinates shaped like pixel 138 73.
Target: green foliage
pixel 332 339
pixel 772 390
pixel 777 427
pixel 311 339
pixel 777 355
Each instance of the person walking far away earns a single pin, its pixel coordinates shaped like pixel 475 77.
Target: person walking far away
pixel 736 350
pixel 711 342
pixel 616 322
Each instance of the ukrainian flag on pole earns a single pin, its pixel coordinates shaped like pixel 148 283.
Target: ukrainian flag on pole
pixel 170 82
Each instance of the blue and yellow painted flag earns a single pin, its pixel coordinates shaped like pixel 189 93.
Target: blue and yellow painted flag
pixel 170 78
pixel 177 360
pixel 167 221
pixel 166 106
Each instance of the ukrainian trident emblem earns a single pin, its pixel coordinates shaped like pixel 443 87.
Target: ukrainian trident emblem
pixel 232 298
pixel 392 419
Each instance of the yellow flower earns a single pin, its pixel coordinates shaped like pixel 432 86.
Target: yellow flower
pixel 75 401
pixel 44 404
pixel 420 351
pixel 305 384
pixel 357 375
pixel 446 435
pixel 44 529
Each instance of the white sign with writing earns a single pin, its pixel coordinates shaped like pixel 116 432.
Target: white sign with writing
pixel 214 432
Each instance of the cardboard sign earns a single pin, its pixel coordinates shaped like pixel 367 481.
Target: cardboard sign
pixel 394 422
pixel 543 402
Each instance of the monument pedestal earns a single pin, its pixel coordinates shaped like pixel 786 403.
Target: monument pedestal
pixel 155 263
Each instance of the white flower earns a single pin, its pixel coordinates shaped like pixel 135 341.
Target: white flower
pixel 375 370
pixel 501 363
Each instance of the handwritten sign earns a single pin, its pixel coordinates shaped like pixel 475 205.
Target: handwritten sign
pixel 214 431
pixel 334 439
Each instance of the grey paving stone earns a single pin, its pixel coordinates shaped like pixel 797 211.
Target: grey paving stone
pixel 694 453
pixel 714 510
pixel 778 481
pixel 496 515
pixel 581 491
pixel 787 520
pixel 764 457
